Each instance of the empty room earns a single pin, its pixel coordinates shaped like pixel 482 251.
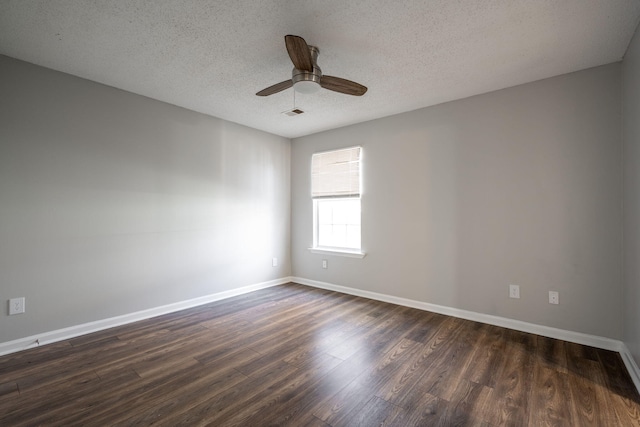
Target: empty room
pixel 320 213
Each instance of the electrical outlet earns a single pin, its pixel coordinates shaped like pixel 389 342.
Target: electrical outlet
pixel 16 306
pixel 274 262
pixel 324 263
pixel 554 298
pixel 514 291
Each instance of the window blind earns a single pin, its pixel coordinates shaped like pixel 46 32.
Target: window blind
pixel 336 173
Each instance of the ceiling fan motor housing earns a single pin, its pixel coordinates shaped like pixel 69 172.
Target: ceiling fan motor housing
pixel 308 81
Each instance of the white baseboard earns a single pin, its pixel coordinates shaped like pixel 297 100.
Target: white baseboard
pixel 87 328
pixel 561 334
pixel 630 363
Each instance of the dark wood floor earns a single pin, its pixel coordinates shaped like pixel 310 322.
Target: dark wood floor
pixel 292 355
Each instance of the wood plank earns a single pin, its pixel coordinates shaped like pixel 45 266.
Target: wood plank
pixel 74 401
pixel 426 370
pixel 8 388
pixel 222 404
pixel 552 353
pixel 375 412
pixel 428 411
pixel 120 401
pixel 296 398
pixel 43 401
pixel 210 382
pixel 488 356
pixel 549 398
pixel 514 380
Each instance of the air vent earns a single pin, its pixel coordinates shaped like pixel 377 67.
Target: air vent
pixel 293 112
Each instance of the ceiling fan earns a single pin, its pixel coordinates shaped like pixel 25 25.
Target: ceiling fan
pixel 306 76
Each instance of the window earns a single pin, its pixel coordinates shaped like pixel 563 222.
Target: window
pixel 335 189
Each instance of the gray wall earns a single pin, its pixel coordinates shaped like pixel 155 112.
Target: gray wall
pixel 631 136
pixel 112 203
pixel 460 200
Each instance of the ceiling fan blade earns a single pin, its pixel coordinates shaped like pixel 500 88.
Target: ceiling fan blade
pixel 278 87
pixel 299 53
pixel 337 84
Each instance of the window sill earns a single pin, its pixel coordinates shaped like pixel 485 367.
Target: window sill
pixel 338 252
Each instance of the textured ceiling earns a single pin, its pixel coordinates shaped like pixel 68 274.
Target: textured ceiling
pixel 213 56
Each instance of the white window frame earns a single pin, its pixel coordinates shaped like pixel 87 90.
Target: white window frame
pixel 339 251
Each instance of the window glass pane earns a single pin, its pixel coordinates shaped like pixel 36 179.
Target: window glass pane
pixel 324 235
pixel 338 223
pixel 353 214
pixel 325 211
pixel 340 212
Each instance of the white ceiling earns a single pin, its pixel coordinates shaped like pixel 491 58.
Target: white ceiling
pixel 213 56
